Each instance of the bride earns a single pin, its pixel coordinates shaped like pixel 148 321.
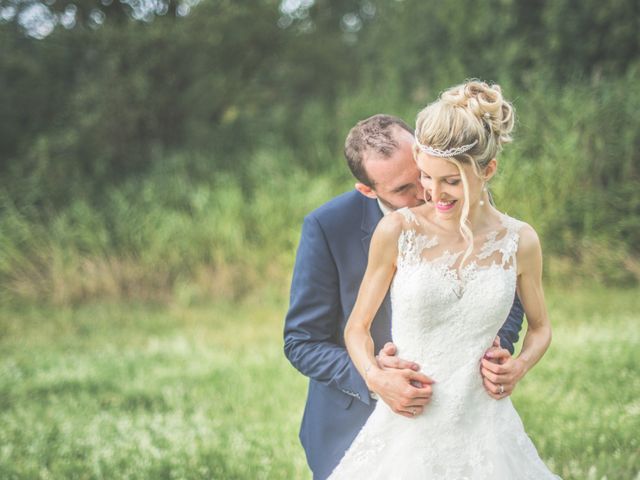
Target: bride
pixel 453 265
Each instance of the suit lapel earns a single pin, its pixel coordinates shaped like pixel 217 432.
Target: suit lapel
pixel 371 215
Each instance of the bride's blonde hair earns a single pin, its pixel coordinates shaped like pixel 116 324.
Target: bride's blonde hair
pixel 473 111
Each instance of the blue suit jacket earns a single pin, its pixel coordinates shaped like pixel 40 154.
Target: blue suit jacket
pixel 330 263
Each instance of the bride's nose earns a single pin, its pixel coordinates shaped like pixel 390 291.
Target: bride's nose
pixel 434 191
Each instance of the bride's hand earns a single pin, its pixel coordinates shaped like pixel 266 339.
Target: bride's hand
pixel 398 383
pixel 500 371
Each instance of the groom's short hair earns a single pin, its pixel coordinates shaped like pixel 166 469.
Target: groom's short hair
pixel 371 134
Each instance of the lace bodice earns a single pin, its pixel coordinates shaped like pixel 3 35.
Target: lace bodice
pixel 442 308
pixel 446 313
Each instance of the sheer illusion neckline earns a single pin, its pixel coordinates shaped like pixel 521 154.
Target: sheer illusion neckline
pixel 418 248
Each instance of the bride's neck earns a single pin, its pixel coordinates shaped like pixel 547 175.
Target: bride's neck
pixel 480 218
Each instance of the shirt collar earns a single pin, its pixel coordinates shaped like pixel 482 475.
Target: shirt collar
pixel 385 210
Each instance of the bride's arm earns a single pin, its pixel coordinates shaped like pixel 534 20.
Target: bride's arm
pixel 394 386
pixel 538 336
pixel 503 372
pixel 381 267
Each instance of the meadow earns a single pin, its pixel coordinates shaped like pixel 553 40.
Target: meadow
pixel 155 167
pixel 202 390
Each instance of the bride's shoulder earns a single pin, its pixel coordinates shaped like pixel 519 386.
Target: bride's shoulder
pixel 516 226
pixel 392 225
pixel 384 242
pixel 527 238
pixel 405 216
pixel 510 223
pixel 529 242
pixel 398 220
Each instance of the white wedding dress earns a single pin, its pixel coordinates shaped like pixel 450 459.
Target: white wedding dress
pixel 445 319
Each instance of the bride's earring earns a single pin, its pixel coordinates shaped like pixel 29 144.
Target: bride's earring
pixel 484 190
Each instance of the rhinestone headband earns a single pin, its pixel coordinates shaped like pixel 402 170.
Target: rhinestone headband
pixel 452 152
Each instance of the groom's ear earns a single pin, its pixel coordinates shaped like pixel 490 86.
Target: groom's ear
pixel 366 190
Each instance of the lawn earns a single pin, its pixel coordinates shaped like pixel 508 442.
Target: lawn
pixel 203 391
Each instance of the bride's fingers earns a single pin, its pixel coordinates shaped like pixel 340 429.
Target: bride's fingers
pixel 492 377
pixel 422 395
pixel 420 378
pixel 498 375
pixel 489 387
pixel 419 401
pixel 497 391
pixel 408 411
pixel 423 387
pixel 414 411
pixel 495 355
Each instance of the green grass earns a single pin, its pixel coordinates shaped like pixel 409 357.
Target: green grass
pixel 204 391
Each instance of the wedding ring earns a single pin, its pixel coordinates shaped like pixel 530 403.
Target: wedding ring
pixel 413 412
pixel 501 389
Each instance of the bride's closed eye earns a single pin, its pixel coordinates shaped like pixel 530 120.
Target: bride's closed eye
pixel 448 181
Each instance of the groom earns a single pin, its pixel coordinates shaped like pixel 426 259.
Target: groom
pixel 330 263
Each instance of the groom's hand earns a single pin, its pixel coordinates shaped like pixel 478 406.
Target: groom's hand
pixel 399 383
pixel 500 371
pixel 387 359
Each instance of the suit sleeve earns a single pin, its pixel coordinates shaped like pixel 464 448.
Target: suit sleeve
pixel 312 325
pixel 509 333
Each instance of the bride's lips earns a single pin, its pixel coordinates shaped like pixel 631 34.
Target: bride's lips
pixel 445 206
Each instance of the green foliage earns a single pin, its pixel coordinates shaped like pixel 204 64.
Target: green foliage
pixel 153 235
pixel 572 172
pixel 179 154
pixel 138 391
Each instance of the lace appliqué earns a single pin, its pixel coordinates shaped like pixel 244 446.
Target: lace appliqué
pixel 463 433
pixel 411 243
pixel 411 246
pixel 408 215
pixel 507 245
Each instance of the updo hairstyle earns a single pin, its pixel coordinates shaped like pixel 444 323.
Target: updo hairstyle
pixel 473 111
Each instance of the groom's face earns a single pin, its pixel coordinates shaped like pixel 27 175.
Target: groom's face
pixel 396 179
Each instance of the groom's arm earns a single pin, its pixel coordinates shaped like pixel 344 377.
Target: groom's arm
pixel 312 324
pixel 509 333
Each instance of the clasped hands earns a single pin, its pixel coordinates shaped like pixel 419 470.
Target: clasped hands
pixel 500 371
pixel 406 391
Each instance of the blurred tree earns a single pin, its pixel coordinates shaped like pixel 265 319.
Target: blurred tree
pixel 125 107
pixel 103 94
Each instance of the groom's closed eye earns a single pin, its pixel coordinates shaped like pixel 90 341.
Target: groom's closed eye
pixel 403 188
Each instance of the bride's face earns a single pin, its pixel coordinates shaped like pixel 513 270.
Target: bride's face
pixel 443 185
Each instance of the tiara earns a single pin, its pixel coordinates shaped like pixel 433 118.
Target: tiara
pixel 451 152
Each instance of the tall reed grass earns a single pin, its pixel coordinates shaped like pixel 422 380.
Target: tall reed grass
pixel 162 235
pixel 187 230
